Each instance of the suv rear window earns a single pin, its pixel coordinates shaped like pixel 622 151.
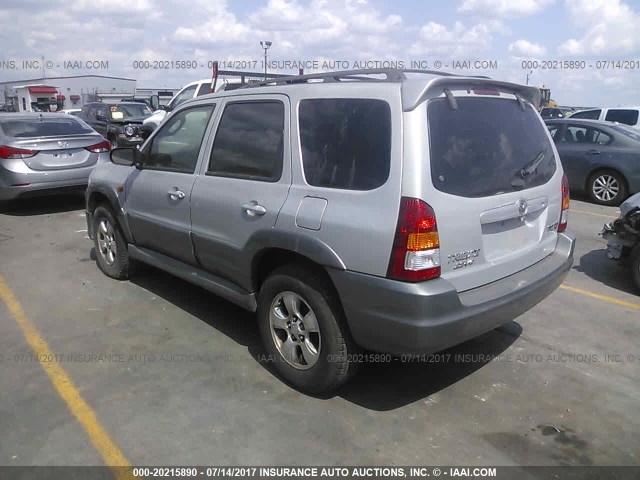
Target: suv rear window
pixel 47 127
pixel 628 117
pixel 487 146
pixel 346 142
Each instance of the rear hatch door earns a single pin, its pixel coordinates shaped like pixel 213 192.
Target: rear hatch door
pixel 495 184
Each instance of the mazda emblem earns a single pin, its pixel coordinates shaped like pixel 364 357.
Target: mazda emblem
pixel 522 207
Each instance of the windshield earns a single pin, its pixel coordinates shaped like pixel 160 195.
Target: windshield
pixel 45 127
pixel 132 110
pixel 487 146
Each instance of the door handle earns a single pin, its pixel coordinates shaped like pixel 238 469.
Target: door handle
pixel 254 209
pixel 593 152
pixel 177 194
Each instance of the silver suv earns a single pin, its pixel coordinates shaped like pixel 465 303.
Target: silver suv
pixel 393 211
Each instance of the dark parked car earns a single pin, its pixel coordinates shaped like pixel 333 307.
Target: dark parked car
pixel 599 158
pixel 112 120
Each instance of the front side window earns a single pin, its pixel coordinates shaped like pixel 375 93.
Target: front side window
pixel 249 142
pixel 553 130
pixel 580 134
pixel 177 144
pixel 487 146
pixel 346 142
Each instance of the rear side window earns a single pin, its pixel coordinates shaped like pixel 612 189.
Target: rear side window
pixel 628 117
pixel 346 143
pixel 487 147
pixel 249 142
pixel 204 89
pixel 580 134
pixel 587 114
pixel 47 127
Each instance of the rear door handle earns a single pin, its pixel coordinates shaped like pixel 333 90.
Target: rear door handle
pixel 593 152
pixel 177 194
pixel 254 209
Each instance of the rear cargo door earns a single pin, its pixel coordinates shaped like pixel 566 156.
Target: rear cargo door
pixel 495 185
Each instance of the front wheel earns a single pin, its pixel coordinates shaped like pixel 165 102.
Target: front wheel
pixel 112 255
pixel 304 331
pixel 607 187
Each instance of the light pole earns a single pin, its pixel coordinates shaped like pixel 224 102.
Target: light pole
pixel 265 45
pixel 528 76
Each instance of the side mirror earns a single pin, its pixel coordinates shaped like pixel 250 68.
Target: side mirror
pixel 126 157
pixel 101 116
pixel 155 102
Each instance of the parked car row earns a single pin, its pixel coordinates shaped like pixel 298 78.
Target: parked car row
pixel 624 115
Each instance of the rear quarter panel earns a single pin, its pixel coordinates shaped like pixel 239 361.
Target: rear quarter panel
pixel 359 226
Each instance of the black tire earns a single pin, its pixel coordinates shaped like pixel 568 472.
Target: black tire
pixel 635 266
pixel 334 364
pixel 598 195
pixel 118 265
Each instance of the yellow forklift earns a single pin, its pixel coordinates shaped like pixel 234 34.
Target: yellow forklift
pixel 545 98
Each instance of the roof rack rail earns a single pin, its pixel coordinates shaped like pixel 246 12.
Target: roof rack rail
pixel 390 75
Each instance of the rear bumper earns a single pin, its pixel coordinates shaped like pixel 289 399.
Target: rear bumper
pixel 395 317
pixel 39 182
pixel 41 188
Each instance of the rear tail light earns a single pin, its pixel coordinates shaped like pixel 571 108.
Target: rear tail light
pixel 12 152
pixel 416 248
pixel 564 213
pixel 101 147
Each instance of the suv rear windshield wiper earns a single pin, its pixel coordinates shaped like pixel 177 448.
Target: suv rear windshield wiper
pixel 531 167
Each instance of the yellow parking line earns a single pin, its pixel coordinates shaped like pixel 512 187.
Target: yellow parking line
pixel 605 298
pixel 594 214
pixel 111 454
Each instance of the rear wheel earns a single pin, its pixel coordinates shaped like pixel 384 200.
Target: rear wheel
pixel 112 255
pixel 304 331
pixel 607 187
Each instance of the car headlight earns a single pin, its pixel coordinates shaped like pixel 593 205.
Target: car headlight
pixel 129 131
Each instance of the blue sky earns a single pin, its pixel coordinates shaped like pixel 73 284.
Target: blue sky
pixel 509 32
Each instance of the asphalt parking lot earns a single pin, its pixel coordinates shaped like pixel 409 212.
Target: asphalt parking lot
pixel 155 371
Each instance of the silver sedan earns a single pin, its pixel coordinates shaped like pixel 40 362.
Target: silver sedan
pixel 46 152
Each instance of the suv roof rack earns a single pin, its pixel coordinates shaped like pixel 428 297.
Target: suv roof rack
pixel 390 75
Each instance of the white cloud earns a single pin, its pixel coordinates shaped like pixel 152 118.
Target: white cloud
pixel 503 8
pixel 525 48
pixel 437 39
pixel 610 28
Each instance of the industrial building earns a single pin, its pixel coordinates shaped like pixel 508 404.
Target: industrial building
pixel 71 92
